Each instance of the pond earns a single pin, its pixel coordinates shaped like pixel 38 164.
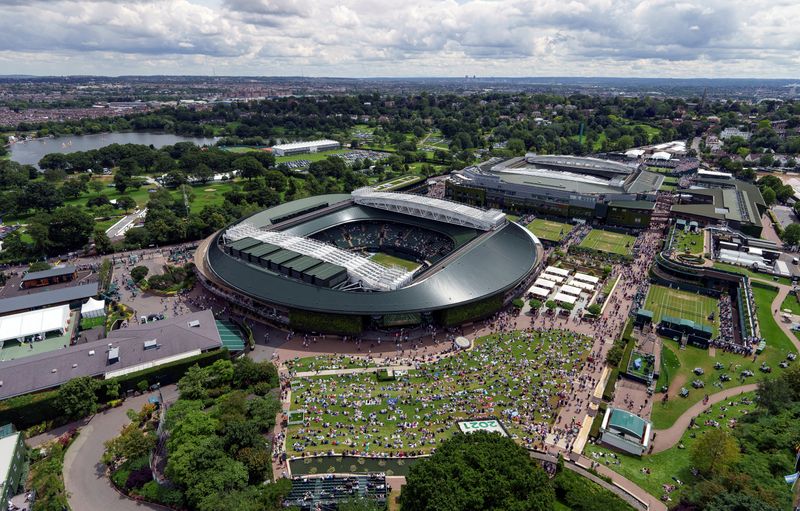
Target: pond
pixel 351 465
pixel 30 152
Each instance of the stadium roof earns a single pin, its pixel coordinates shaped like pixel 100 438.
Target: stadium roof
pixel 431 208
pixel 309 143
pixel 731 200
pixel 45 298
pixel 52 272
pixel 175 338
pixel 465 277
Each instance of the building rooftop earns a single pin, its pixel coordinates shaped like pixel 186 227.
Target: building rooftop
pixel 309 143
pixel 45 298
pixel 52 272
pixel 173 336
pixel 627 422
pixel 732 200
pixel 8 445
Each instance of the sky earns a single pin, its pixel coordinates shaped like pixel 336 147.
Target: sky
pixel 402 38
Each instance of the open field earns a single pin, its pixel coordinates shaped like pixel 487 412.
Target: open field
pixel 607 241
pixel 416 411
pixel 674 462
pixel 549 230
pixel 664 301
pixel 778 346
pixel 390 260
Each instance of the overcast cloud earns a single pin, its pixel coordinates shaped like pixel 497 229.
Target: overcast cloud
pixel 707 38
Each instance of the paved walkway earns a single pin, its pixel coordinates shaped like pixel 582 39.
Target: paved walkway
pixel 653 504
pixel 84 475
pixel 666 438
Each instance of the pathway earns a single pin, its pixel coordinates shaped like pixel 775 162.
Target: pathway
pixel 84 475
pixel 666 438
pixel 355 370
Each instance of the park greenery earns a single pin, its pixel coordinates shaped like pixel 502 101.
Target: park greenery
pixel 45 476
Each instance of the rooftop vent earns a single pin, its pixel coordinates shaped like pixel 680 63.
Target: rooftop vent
pixel 194 323
pixel 74 366
pixel 54 370
pixel 113 355
pixel 152 344
pixel 91 353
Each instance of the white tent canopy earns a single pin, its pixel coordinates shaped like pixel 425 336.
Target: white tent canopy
pixel 583 285
pixel 547 284
pixel 561 297
pixel 93 308
pixel 586 278
pixel 539 291
pixel 550 276
pixel 570 290
pixel 19 326
pixel 557 271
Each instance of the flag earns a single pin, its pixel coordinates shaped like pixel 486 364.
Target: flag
pixel 790 479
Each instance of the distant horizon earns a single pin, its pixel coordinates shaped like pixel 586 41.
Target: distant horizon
pixel 410 77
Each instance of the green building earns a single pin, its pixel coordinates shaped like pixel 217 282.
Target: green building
pixel 12 462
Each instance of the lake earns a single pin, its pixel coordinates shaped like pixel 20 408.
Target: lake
pixel 30 152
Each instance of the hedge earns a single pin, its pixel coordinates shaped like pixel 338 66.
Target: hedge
pixel 323 322
pixel 169 373
pixel 608 392
pixel 471 311
pixel 594 432
pixel 29 410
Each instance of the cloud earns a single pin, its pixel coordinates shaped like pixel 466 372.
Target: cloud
pixel 408 38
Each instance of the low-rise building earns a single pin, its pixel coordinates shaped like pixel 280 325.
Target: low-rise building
pixel 12 462
pixel 311 146
pixel 625 431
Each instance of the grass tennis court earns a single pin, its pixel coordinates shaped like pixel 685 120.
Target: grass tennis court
pixel 606 241
pixel 549 230
pixel 389 261
pixel 664 301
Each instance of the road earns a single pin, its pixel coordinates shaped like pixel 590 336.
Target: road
pixel 124 224
pixel 84 475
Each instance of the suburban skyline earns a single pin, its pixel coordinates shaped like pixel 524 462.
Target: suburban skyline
pixel 356 38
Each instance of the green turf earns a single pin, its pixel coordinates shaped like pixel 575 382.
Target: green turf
pixel 673 462
pixel 664 301
pixel 493 379
pixel 390 260
pixel 778 346
pixel 87 323
pixel 310 156
pixel 549 230
pixel 669 366
pixel 791 303
pixel 752 274
pixel 611 242
pixel 511 218
pixel 691 243
pixel 328 362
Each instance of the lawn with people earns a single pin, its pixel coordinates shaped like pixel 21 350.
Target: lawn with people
pixel 722 371
pixel 658 474
pixel 689 242
pixel 549 230
pixel 519 378
pixel 610 242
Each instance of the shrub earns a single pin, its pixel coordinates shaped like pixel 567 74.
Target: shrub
pixel 142 386
pixel 518 303
pixel 138 273
pixel 154 492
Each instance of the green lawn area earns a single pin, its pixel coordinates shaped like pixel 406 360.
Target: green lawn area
pixel 791 303
pixel 326 362
pixel 607 241
pixel 310 156
pixel 87 323
pixel 511 218
pixel 664 301
pixel 241 149
pixel 691 243
pixel 390 260
pixel 549 230
pixel 673 462
pixel 778 346
pixel 650 130
pixel 669 366
pixel 494 378
pixel 750 273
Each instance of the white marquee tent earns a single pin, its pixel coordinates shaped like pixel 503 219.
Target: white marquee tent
pixel 547 284
pixel 93 308
pixel 563 298
pixel 571 290
pixel 583 285
pixel 586 278
pixel 557 271
pixel 19 326
pixel 550 276
pixel 539 291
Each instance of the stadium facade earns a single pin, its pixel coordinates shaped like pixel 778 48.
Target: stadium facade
pixel 566 186
pixel 308 263
pixel 311 146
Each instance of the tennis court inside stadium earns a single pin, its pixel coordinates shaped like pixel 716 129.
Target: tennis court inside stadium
pixel 611 242
pixel 665 301
pixel 549 230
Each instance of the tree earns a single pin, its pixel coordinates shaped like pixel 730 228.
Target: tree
pixel 477 471
pixel 77 398
pixel 551 304
pixel 791 235
pixel 203 173
pixel 248 167
pixel 132 443
pixel 101 241
pixel 360 504
pixel 39 266
pixel 715 453
pixel 68 228
pixel 769 196
pixel 139 272
pixel 125 202
pixel 593 309
pixel 96 185
pixel 737 502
